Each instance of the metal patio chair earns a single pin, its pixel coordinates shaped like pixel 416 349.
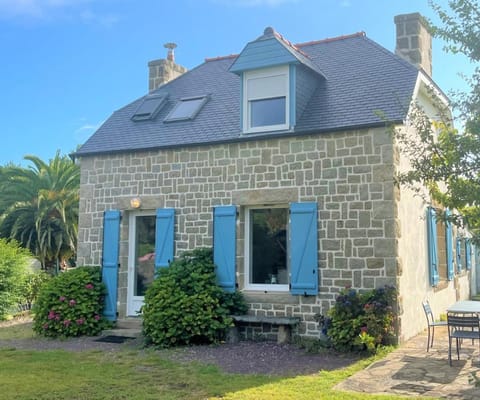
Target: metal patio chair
pixel 462 326
pixel 431 323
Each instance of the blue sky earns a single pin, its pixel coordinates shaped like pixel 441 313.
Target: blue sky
pixel 66 65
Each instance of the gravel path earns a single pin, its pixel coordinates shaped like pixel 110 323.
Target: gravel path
pixel 244 357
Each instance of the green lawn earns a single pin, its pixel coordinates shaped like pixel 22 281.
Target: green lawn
pixel 142 374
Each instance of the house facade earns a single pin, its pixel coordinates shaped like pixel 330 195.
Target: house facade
pixel 283 160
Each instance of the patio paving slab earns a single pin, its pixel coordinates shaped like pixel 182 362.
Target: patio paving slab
pixel 411 371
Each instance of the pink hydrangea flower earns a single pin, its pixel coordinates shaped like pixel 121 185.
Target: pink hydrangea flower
pixel 97 317
pixel 72 302
pixel 51 314
pixel 61 298
pixel 80 321
pixel 88 286
pixel 66 322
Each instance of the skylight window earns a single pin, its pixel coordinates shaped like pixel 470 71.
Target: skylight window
pixel 186 109
pixel 149 107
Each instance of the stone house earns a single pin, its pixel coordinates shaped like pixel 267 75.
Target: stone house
pixel 281 158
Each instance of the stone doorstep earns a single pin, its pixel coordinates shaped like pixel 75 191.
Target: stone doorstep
pixel 130 327
pixel 127 332
pixel 129 323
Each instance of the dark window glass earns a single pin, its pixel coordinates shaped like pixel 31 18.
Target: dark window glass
pixel 266 112
pixel 186 109
pixel 145 253
pixel 269 246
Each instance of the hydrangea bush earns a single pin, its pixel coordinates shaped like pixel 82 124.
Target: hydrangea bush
pixel 361 321
pixel 184 304
pixel 71 304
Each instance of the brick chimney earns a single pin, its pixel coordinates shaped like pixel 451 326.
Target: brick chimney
pixel 164 70
pixel 414 41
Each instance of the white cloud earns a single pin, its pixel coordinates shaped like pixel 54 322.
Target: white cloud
pixel 54 9
pixel 35 8
pixel 254 3
pixel 85 131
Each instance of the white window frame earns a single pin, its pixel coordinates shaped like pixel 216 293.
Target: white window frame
pixel 134 302
pixel 248 80
pixel 248 253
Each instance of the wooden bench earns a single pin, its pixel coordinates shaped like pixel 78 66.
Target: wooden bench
pixel 285 325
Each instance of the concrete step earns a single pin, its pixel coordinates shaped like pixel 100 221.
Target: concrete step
pixel 129 327
pixel 129 323
pixel 127 332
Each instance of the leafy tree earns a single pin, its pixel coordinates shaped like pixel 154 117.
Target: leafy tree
pixel 446 160
pixel 39 207
pixel 13 264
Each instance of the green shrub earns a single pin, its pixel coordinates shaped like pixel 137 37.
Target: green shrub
pixel 362 321
pixel 71 304
pixel 184 303
pixel 32 284
pixel 13 269
pixel 234 302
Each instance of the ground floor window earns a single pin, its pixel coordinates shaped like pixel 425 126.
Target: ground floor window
pixel 267 248
pixel 442 250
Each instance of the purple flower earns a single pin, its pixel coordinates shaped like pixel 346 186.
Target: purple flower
pixel 97 317
pixel 88 286
pixel 72 302
pixel 51 314
pixel 66 322
pixel 80 321
pixel 61 298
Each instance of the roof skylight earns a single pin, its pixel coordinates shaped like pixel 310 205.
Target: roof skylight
pixel 186 108
pixel 149 107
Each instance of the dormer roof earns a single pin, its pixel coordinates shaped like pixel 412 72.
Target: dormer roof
pixel 269 50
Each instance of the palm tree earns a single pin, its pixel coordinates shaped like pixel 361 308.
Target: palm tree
pixel 39 207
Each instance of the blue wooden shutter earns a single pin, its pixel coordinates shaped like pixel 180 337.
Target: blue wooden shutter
pixel 164 237
pixel 458 246
pixel 224 245
pixel 449 246
pixel 432 246
pixel 468 254
pixel 111 241
pixel 303 248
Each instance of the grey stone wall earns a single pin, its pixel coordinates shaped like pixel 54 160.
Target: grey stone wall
pixel 349 175
pixel 162 71
pixel 414 41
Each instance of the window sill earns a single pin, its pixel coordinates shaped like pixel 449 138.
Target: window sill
pixel 255 296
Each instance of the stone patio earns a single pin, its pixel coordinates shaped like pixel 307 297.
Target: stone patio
pixel 411 371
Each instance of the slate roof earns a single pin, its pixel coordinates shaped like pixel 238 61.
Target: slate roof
pixel 361 79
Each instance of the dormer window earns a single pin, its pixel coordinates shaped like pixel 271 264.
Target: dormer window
pixel 266 99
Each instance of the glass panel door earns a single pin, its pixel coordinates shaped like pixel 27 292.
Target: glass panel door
pixel 141 259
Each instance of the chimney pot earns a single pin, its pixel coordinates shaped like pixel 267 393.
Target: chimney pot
pixel 164 70
pixel 170 53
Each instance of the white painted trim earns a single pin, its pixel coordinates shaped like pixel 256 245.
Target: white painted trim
pixel 248 254
pixel 133 302
pixel 427 89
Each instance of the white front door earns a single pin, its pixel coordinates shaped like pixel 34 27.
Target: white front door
pixel 141 258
